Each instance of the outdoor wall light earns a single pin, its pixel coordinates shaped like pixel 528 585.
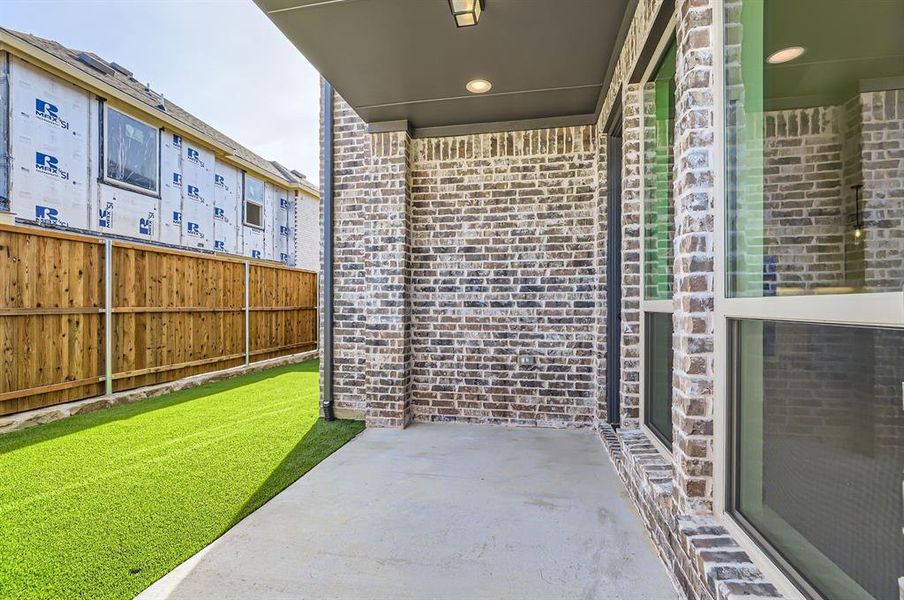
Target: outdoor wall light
pixel 479 86
pixel 786 55
pixel 466 12
pixel 858 215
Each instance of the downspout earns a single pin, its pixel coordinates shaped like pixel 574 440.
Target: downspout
pixel 5 142
pixel 327 274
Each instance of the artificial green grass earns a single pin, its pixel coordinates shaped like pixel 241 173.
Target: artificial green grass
pixel 101 505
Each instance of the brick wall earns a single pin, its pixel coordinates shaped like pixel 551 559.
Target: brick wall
pixel 812 158
pixel 455 257
pixel 883 189
pixel 694 297
pixel 632 196
pixel 387 267
pixel 601 275
pixel 351 187
pixel 804 216
pixel 307 235
pixel 502 268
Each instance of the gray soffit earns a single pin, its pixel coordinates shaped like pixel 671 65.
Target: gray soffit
pixel 398 61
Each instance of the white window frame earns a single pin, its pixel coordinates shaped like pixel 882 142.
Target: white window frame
pixel 877 309
pixel 650 306
pixel 246 202
pixel 105 148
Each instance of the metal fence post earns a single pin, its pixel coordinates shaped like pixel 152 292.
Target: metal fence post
pixel 247 313
pixel 108 316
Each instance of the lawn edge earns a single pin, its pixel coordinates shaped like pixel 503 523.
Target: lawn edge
pixel 58 412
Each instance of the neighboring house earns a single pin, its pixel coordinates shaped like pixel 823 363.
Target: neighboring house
pixel 307 221
pixel 86 146
pixel 678 222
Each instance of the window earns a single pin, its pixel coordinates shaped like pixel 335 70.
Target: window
pixel 813 308
pixel 814 151
pixel 658 218
pixel 131 152
pixel 658 376
pixel 819 451
pixel 658 164
pixel 254 202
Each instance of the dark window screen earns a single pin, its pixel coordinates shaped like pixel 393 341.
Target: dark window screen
pixel 819 451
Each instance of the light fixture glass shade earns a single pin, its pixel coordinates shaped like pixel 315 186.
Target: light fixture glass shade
pixel 785 55
pixel 479 86
pixel 466 12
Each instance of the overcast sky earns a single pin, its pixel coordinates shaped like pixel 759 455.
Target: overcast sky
pixel 222 60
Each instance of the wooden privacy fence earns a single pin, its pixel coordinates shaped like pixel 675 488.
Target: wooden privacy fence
pixel 82 316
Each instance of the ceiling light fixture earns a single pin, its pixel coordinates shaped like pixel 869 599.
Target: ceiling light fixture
pixel 467 12
pixel 479 86
pixel 786 55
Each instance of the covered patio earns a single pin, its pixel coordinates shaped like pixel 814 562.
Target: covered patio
pixel 674 223
pixel 439 511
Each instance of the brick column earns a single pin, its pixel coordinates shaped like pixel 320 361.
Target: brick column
pixel 632 193
pixel 695 161
pixel 387 276
pixel 600 240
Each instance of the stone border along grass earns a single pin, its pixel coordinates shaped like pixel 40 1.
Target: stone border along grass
pixel 49 414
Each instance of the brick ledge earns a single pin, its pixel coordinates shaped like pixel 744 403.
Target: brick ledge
pixel 701 556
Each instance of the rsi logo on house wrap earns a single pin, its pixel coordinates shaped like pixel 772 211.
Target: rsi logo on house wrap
pixel 47 214
pixel 177 179
pixel 194 193
pixel 255 254
pixel 194 230
pixel 194 156
pixel 283 203
pixel 49 165
pixel 49 113
pixel 177 140
pixel 105 216
pixel 219 214
pixel 219 245
pixel 283 231
pixel 146 225
pixel 177 217
pixel 220 182
pixel 284 257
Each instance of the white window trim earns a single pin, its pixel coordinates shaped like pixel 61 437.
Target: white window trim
pixel 103 166
pixel 878 309
pixel 245 222
pixel 650 306
pixel 246 201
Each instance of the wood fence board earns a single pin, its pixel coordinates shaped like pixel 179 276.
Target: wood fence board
pixel 177 313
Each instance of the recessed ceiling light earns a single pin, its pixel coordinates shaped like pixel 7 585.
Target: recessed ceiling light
pixel 479 86
pixel 786 55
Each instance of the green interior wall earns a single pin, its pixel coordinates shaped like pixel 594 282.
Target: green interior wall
pixel 659 209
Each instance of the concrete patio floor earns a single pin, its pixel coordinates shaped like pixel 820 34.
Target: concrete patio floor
pixel 439 511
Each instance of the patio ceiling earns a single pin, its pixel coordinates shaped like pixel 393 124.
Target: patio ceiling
pixel 406 60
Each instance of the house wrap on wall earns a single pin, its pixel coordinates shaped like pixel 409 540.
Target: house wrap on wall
pixel 88 147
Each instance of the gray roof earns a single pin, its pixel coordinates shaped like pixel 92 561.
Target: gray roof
pixel 114 75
